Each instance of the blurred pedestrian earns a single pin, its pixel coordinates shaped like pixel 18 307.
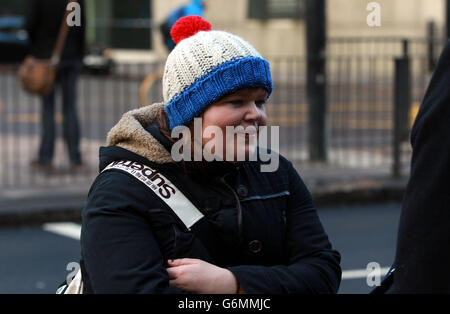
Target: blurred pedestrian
pixel 43 23
pixel 155 225
pixel 195 7
pixel 423 256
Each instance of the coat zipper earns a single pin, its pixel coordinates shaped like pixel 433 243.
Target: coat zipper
pixel 239 209
pixel 175 242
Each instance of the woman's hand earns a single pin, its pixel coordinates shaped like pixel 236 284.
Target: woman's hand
pixel 197 276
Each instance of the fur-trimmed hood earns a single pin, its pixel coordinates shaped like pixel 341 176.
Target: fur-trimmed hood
pixel 130 134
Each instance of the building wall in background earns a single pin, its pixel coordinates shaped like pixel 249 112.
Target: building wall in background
pixel 134 27
pixel 281 37
pixel 119 24
pixel 398 17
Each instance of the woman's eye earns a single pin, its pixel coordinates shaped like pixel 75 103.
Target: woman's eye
pixel 260 103
pixel 236 102
pixel 240 102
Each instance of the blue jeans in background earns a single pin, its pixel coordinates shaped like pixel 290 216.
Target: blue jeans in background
pixel 66 79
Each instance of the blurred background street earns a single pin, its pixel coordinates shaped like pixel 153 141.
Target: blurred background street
pixel 346 93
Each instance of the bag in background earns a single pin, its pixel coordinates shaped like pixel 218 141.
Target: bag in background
pixel 37 75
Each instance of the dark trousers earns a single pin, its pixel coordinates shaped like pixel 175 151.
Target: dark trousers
pixel 66 79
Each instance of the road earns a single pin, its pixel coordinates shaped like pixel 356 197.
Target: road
pixel 34 259
pixel 362 234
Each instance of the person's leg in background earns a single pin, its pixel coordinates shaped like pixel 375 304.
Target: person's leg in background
pixel 71 129
pixel 47 144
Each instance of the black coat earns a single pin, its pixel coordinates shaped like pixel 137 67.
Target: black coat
pixel 261 226
pixel 43 22
pixel 422 257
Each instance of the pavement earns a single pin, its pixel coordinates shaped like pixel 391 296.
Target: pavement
pixel 34 206
pixel 330 185
pixel 335 185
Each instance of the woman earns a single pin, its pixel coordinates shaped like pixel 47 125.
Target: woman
pixel 232 227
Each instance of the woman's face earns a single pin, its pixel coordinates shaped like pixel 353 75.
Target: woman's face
pixel 244 108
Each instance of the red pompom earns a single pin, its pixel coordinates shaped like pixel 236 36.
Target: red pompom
pixel 188 26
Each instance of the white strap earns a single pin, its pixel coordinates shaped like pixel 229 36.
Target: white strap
pixel 163 188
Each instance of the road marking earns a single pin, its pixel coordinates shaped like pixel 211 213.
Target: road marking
pixel 361 273
pixel 67 229
pixel 73 230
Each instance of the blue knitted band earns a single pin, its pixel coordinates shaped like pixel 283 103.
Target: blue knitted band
pixel 220 81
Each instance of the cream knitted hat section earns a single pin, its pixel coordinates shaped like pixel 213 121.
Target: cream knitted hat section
pixel 207 66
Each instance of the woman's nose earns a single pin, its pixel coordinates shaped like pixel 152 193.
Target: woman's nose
pixel 253 111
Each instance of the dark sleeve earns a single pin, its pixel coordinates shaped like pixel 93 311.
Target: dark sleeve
pixel 32 19
pixel 312 267
pixel 118 247
pixel 422 256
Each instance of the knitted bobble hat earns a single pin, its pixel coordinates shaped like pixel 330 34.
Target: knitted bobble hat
pixel 205 66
